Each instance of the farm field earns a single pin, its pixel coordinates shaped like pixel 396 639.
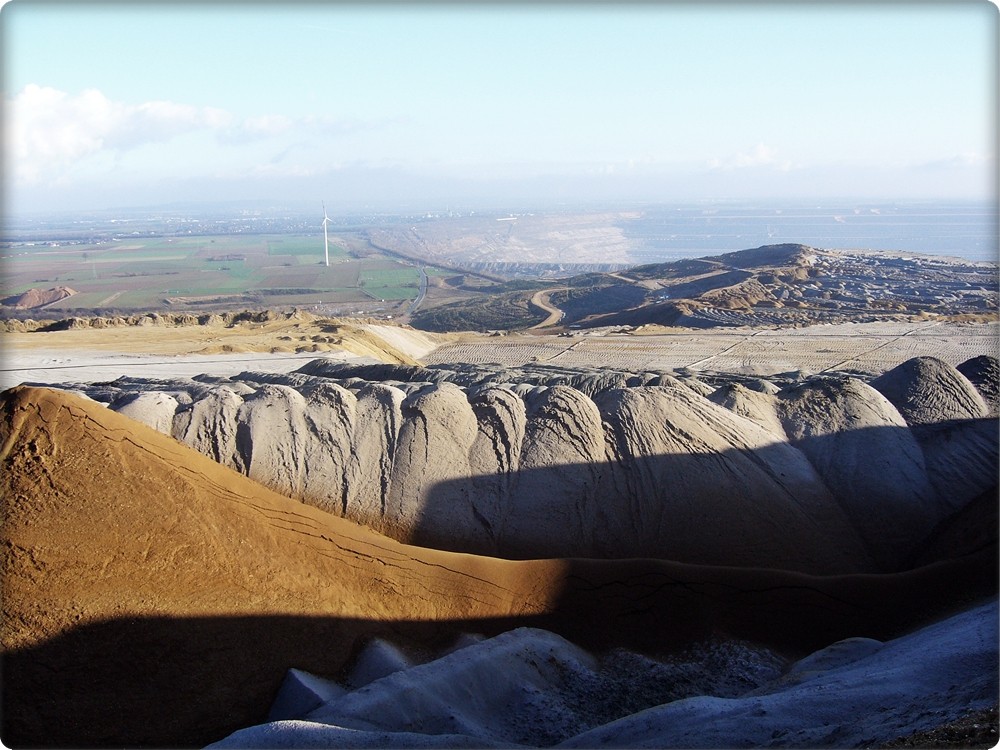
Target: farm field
pixel 210 273
pixel 390 281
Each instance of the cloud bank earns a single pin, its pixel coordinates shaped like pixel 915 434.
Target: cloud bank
pixel 51 134
pixel 87 150
pixel 51 130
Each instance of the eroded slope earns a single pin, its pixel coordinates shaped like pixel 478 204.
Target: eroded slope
pixel 823 476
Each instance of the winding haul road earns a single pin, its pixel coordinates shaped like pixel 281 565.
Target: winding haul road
pixel 420 294
pixel 541 301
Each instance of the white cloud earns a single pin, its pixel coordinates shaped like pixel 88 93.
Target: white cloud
pixel 49 131
pixel 760 156
pixel 58 138
pixel 267 125
pixel 257 128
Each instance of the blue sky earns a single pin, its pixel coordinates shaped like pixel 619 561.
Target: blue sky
pixel 452 104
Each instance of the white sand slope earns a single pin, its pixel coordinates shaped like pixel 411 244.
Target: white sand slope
pixel 910 684
pixel 85 366
pixel 531 687
pixel 414 343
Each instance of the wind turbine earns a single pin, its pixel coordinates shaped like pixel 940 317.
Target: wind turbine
pixel 326 239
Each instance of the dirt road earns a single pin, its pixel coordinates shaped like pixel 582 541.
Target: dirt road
pixel 541 301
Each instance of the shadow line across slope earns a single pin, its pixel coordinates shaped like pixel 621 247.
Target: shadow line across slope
pixel 152 597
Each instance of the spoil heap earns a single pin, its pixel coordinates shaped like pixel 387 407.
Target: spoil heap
pixel 827 475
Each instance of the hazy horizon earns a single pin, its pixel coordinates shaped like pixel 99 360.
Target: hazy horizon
pixel 389 107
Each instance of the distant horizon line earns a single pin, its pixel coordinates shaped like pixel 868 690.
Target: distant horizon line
pixel 401 208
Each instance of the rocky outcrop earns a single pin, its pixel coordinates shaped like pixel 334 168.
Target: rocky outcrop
pixel 824 475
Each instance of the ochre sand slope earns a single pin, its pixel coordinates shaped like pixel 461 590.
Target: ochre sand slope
pixel 153 597
pixel 260 333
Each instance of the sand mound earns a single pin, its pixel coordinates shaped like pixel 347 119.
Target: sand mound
pixel 648 471
pixel 529 686
pixel 230 333
pixel 105 519
pixel 706 485
pixel 976 526
pixel 950 666
pixel 949 420
pixel 781 256
pixel 757 406
pixel 154 409
pixel 984 373
pixel 38 297
pixel 961 459
pixel 415 344
pixel 154 597
pixel 867 456
pixel 927 390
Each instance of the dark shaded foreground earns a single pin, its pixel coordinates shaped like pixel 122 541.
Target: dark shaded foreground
pixel 187 681
pixel 977 729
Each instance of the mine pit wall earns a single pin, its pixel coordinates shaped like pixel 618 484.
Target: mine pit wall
pixel 823 478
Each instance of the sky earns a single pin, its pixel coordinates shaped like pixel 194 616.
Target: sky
pixel 424 105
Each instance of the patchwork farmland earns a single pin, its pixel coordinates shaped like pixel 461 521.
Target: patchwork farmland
pixel 209 273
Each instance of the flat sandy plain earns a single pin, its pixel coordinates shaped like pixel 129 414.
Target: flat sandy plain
pixel 852 347
pixel 90 355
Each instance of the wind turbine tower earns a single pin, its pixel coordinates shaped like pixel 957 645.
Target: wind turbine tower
pixel 326 238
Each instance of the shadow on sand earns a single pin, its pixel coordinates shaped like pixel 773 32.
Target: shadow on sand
pixel 186 682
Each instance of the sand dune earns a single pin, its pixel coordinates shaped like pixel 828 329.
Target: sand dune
pixel 153 596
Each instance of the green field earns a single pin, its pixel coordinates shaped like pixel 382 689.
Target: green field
pixel 148 274
pixel 394 283
pixel 306 248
